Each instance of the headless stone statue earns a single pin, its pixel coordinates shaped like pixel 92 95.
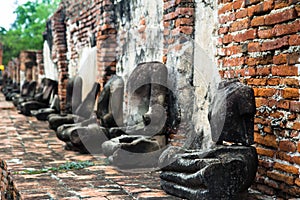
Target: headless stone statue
pixel 87 136
pixel 224 171
pixel 138 144
pixel 233 106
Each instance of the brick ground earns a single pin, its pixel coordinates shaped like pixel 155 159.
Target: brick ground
pixel 27 144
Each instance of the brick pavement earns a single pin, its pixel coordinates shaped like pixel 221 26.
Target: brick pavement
pixel 28 144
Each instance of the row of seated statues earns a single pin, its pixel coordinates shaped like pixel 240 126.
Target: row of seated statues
pixel 138 136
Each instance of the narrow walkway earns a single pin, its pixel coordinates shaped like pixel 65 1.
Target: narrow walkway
pixel 37 161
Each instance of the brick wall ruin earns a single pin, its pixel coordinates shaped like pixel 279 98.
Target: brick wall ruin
pixel 27 66
pixel 259 43
pixel 253 40
pixel 8 189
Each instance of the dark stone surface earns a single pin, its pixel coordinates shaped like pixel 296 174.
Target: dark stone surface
pixel 110 103
pixel 43 113
pixel 83 111
pixel 231 113
pixel 63 131
pixel 57 120
pixel 139 142
pixel 74 94
pixel 86 108
pixel 42 100
pixel 147 90
pixel 88 138
pixel 132 151
pixel 147 93
pixel 223 172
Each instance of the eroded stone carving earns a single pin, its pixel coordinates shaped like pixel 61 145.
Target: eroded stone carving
pixel 145 122
pixel 225 171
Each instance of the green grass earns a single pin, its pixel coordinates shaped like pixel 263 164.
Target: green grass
pixel 62 168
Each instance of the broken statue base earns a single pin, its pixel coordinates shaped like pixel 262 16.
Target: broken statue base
pixel 223 172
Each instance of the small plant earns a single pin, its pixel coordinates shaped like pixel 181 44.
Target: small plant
pixel 74 165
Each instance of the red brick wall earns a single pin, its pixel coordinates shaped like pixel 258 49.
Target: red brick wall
pixel 81 19
pixel 259 42
pixel 178 19
pixel 106 41
pixel 59 50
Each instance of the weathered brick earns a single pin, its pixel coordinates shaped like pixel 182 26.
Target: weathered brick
pixel 260 102
pixel 186 12
pixel 271 183
pixel 265 34
pixel 283 104
pixel 297 7
pixel 240 25
pixel 227 18
pixel 291 190
pixel 287 146
pixel 284 156
pixel 277 114
pixel 293 58
pixel 281 17
pixel 235 50
pixel 258 21
pixel 238 4
pixel 286 29
pixel 296 159
pixel 295 106
pixel 170 16
pixel 292 117
pixel 280 59
pixel 226 8
pixel 273 81
pixel 184 21
pixel 250 2
pixel 224 1
pixel 265 152
pixel 229 62
pixel 247 35
pixel 282 3
pixel 263 71
pixel 293 82
pixel 241 14
pixel 286 168
pixel 268 140
pixel 294 40
pixel 254 47
pixel 264 60
pixel 249 71
pixel 290 93
pixel 227 38
pixel 223 30
pixel 275 44
pixel 284 70
pixel 296 126
pixel 266 189
pixel 281 177
pixel 264 7
pixel 257 81
pixel 297 182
